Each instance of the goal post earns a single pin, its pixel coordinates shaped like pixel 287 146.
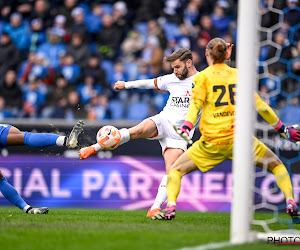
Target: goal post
pixel 242 168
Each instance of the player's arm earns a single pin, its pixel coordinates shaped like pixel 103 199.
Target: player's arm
pixel 266 112
pixel 197 100
pixel 138 84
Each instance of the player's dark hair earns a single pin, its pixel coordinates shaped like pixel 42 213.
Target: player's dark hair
pixel 217 48
pixel 182 54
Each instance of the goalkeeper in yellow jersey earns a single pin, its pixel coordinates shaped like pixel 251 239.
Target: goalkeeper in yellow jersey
pixel 214 91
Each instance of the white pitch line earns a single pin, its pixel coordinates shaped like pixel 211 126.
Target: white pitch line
pixel 215 245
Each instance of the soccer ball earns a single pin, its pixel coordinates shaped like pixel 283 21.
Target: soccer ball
pixel 108 137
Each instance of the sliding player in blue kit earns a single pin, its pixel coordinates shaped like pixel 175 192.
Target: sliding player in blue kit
pixel 12 136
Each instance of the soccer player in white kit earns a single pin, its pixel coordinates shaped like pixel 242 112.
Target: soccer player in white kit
pixel 160 127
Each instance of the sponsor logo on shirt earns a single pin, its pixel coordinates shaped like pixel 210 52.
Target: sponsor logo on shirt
pixel 180 101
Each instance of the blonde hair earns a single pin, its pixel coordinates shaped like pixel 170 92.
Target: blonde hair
pixel 217 48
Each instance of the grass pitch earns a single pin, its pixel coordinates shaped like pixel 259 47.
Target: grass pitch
pixel 116 229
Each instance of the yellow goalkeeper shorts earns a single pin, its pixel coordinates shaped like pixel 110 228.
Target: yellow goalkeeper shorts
pixel 207 155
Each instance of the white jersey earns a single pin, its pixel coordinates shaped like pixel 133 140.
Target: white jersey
pixel 180 95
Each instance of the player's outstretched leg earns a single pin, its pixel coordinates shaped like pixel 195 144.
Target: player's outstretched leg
pixel 40 140
pixel 145 129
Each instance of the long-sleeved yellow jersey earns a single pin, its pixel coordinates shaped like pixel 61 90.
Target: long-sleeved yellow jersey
pixel 214 89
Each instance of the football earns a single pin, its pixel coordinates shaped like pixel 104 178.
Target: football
pixel 108 137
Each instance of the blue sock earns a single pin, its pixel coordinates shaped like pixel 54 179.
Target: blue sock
pixel 40 140
pixel 11 194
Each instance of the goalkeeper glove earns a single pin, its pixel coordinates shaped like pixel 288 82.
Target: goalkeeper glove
pixel 290 133
pixel 184 131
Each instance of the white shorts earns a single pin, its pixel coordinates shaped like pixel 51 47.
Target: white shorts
pixel 167 136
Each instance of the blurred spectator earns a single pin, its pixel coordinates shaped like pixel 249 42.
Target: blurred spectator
pixel 60 25
pixel 74 108
pixel 152 55
pixel 132 45
pixel 120 17
pixel 191 12
pixel 93 68
pixel 37 67
pixel 290 114
pixel 154 29
pixel 69 69
pixel 17 31
pixel 79 50
pixel 78 25
pixel 172 10
pixel 56 98
pixel 119 73
pixel 53 49
pixel 207 25
pixel 292 15
pixel 66 10
pixel 148 10
pixel 36 36
pixel 97 109
pixel 109 38
pixel 220 20
pixel 9 55
pixel 200 45
pixel 41 11
pixel 11 92
pixel 60 90
pixel 33 98
pixel 88 89
pixel 296 61
pixel 281 51
pixel 4 113
pixel 94 20
pixel 198 61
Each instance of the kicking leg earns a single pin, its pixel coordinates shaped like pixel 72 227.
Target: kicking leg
pixel 40 140
pixel 11 194
pixel 146 129
pixel 170 156
pixel 181 167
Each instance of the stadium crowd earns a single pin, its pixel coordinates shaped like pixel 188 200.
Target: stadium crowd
pixel 60 59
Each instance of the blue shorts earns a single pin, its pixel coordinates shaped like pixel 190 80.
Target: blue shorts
pixel 4 128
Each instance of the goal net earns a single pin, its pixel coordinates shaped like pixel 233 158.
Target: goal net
pixel 271 28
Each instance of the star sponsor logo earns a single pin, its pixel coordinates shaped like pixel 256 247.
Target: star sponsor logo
pixel 180 101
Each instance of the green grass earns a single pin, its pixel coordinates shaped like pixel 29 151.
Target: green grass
pixel 114 229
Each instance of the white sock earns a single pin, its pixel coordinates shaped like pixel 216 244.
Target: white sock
pixel 97 147
pixel 60 141
pixel 25 208
pixel 125 136
pixel 161 196
pixel 289 199
pixel 171 204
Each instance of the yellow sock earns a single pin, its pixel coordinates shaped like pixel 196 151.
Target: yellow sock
pixel 283 180
pixel 173 186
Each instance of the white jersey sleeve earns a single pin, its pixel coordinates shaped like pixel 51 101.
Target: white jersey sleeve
pixel 159 83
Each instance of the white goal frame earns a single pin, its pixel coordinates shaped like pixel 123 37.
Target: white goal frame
pixel 242 167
